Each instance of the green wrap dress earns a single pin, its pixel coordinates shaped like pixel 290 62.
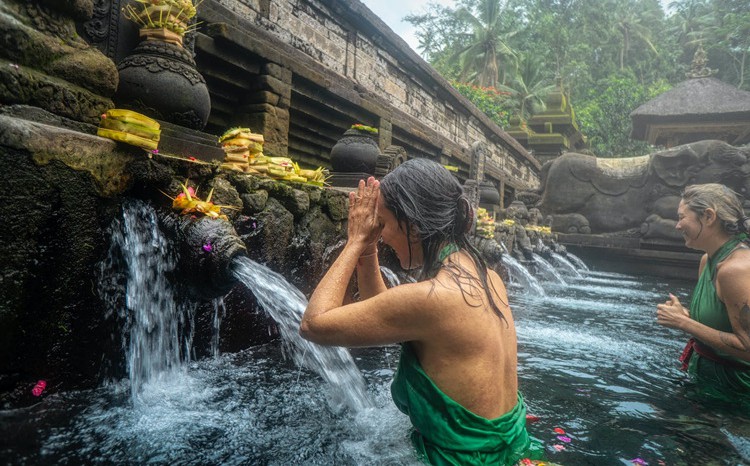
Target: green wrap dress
pixel 711 366
pixel 445 432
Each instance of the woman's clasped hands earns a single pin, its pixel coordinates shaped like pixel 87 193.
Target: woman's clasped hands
pixel 364 226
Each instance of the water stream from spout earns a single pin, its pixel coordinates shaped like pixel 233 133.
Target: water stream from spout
pixel 519 273
pixel 158 329
pixel 565 264
pixel 580 265
pixel 220 311
pixel 286 304
pixel 547 269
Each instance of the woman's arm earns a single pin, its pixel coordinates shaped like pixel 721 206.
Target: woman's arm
pixel 733 288
pixel 396 315
pixel 369 279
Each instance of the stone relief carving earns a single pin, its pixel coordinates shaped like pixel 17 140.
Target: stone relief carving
pixel 637 197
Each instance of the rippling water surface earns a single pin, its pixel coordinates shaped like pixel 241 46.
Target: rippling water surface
pixel 592 361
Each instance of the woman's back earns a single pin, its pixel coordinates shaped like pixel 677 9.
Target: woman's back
pixel 471 356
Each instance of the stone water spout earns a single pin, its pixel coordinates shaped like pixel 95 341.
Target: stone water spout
pixel 206 248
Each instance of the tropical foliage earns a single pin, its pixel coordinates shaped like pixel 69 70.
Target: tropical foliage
pixel 489 100
pixel 610 55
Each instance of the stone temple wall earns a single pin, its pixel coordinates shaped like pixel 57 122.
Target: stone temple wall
pixel 341 55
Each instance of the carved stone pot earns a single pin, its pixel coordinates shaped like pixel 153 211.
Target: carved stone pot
pixel 160 80
pixel 356 152
pixel 488 193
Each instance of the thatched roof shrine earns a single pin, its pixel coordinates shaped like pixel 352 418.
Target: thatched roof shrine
pixel 699 108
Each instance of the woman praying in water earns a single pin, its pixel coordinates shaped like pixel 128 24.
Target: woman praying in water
pixel 711 219
pixel 456 379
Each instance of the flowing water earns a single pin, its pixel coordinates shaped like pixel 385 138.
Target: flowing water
pixel 547 270
pixel 592 361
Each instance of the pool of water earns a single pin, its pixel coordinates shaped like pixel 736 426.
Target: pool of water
pixel 592 362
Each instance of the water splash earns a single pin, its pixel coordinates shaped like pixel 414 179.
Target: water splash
pixel 158 330
pixel 286 304
pixel 391 279
pixel 546 269
pixel 519 273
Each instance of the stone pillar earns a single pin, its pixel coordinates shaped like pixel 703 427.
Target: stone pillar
pixel 478 160
pixel 385 134
pixel 502 194
pixel 476 175
pixel 266 109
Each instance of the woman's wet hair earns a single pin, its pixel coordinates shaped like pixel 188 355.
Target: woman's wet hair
pixel 725 202
pixel 428 201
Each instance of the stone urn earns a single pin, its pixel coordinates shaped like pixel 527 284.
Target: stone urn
pixel 356 152
pixel 488 193
pixel 159 78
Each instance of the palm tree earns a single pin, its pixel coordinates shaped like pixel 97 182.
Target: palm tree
pixel 529 87
pixel 481 60
pixel 631 23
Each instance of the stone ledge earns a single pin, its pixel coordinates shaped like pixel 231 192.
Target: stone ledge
pixel 632 255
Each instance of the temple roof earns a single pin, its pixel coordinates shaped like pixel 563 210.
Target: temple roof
pixel 696 100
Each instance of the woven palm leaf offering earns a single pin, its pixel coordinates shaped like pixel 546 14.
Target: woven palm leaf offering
pixel 485 224
pixel 188 203
pixel 130 127
pixel 243 148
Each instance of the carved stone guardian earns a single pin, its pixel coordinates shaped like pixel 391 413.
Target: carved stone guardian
pixel 44 63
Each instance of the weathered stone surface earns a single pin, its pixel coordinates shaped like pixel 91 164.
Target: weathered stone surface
pixel 77 150
pixel 337 204
pixel 35 37
pixel 279 72
pixel 275 227
pixel 269 83
pixel 225 194
pixel 26 86
pixel 78 9
pixel 254 202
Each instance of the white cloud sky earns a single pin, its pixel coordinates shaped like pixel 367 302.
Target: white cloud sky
pixel 393 11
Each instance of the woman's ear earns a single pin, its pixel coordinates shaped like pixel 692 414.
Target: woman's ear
pixel 710 215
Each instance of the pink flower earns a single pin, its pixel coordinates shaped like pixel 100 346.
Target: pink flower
pixel 207 247
pixel 559 447
pixel 640 461
pixel 39 388
pixel 563 438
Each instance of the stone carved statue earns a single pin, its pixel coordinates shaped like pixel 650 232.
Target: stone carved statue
pixel 638 195
pixel 46 64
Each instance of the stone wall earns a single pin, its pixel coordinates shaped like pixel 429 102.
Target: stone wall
pixel 63 189
pixel 344 66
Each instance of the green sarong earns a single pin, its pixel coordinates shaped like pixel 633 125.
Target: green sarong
pixel 445 432
pixel 718 368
